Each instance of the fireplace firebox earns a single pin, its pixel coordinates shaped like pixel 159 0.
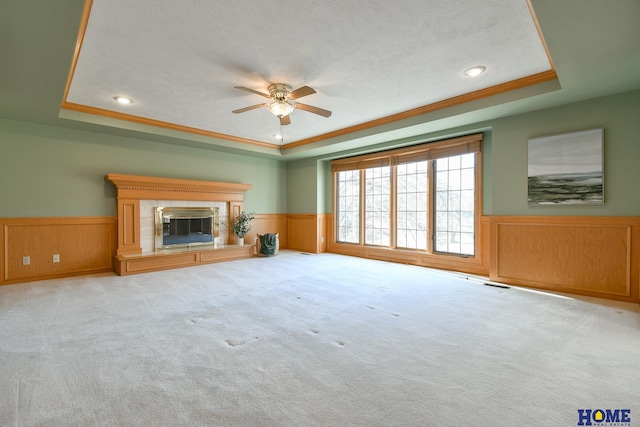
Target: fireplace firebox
pixel 185 227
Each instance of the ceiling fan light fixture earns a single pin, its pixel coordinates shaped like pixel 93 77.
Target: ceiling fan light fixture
pixel 475 71
pixel 281 108
pixel 281 102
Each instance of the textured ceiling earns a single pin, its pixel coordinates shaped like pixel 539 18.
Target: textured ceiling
pixel 366 60
pixel 180 61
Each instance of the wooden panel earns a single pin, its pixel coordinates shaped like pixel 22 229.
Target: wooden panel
pixel 235 208
pixel 128 226
pixel 330 235
pixel 4 251
pixel 484 249
pixel 227 254
pixel 178 258
pixel 269 223
pixel 595 256
pixel 85 245
pixel 159 263
pixel 129 215
pixel 302 232
pixel 321 233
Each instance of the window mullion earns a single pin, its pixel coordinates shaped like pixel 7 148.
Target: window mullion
pixel 393 206
pixel 431 195
pixel 478 200
pixel 363 206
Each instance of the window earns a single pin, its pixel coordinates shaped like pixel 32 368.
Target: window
pixel 411 192
pixel 455 207
pixel 378 207
pixel 348 198
pixel 423 198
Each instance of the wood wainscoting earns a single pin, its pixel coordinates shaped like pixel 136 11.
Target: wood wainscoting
pixel 85 245
pixel 592 256
pixel 307 232
pixel 269 223
pixel 300 232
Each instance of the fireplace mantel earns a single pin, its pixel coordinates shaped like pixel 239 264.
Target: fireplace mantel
pixel 133 188
pixel 152 188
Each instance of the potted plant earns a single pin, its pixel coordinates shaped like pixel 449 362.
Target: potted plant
pixel 241 227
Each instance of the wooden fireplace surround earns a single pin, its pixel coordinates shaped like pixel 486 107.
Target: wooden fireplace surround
pixel 131 189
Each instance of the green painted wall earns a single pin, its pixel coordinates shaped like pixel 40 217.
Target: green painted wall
pixel 309 185
pixel 619 115
pixel 51 171
pixel 505 159
pixel 302 186
pixel 325 187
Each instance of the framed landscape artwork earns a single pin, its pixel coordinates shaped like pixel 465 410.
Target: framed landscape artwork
pixel 566 169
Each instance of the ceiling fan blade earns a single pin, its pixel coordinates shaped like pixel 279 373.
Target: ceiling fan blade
pixel 252 91
pixel 253 107
pixel 286 120
pixel 314 110
pixel 300 92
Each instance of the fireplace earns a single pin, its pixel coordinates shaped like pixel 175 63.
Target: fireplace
pixel 185 227
pixel 137 200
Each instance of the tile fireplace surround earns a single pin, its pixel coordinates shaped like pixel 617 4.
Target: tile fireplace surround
pixel 137 196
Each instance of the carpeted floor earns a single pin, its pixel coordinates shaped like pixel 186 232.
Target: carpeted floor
pixel 309 340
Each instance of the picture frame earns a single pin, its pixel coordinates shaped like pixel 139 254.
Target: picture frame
pixel 566 169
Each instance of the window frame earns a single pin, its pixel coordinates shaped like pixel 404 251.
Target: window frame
pixel 434 186
pixel 430 151
pixel 427 194
pixel 375 211
pixel 338 195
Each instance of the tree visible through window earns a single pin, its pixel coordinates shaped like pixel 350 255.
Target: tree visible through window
pixel 378 206
pixel 411 230
pixel 455 204
pixel 348 200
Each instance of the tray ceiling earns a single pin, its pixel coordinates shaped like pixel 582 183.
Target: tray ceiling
pixel 367 61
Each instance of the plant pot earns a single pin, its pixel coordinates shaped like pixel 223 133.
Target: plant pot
pixel 239 241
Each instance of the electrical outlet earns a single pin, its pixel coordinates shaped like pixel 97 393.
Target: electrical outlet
pixel 56 258
pixel 26 260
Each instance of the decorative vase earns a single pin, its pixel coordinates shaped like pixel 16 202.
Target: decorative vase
pixel 239 241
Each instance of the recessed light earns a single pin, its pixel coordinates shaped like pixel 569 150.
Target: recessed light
pixel 475 71
pixel 123 99
pixel 277 136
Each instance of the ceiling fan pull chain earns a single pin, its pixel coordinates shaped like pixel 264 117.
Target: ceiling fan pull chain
pixel 281 137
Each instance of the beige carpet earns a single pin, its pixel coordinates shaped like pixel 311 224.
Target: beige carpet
pixel 309 340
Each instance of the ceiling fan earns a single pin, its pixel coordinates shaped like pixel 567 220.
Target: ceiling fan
pixel 282 103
